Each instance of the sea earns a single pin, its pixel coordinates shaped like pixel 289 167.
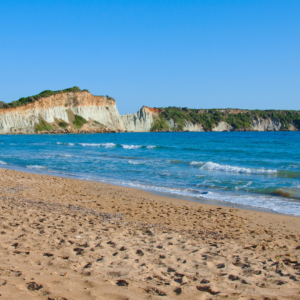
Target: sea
pixel 252 170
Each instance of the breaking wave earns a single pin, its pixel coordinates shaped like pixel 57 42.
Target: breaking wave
pixel 210 166
pixel 89 145
pixel 110 145
pixel 131 146
pixel 106 145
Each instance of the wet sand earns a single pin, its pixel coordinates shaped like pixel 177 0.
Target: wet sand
pixel 62 238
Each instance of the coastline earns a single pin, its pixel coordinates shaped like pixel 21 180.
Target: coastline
pixel 161 194
pixel 64 238
pixel 107 130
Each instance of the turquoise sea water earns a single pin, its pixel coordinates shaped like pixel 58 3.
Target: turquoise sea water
pixel 257 169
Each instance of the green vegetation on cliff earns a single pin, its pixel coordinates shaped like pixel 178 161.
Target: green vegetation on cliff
pixel 209 118
pixel 79 121
pixel 31 99
pixel 63 124
pixel 110 98
pixel 42 126
pixel 159 123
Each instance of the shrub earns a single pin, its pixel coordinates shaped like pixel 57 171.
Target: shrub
pixel 109 98
pixel 63 124
pixel 159 124
pixel 3 105
pixel 42 126
pixel 79 121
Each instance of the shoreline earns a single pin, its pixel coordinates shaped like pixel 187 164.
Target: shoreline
pixel 203 201
pixel 61 132
pixel 65 238
pixel 172 199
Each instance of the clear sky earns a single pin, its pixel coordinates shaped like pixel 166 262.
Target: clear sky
pixel 197 54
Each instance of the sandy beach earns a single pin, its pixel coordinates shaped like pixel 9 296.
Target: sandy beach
pixel 62 238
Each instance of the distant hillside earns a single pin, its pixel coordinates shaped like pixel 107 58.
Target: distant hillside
pixel 176 118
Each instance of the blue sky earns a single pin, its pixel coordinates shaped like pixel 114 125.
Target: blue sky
pixel 198 54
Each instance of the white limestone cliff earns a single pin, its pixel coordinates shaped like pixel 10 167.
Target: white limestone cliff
pixel 58 107
pixel 141 121
pixel 223 126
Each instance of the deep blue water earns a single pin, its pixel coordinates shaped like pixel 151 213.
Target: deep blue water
pixel 258 169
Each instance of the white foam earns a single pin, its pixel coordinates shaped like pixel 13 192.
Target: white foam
pixel 131 146
pixel 210 166
pixel 108 145
pixel 266 202
pixel 3 162
pixel 271 203
pixel 89 145
pixel 71 144
pixel 136 162
pixel 58 143
pixel 151 147
pixel 36 167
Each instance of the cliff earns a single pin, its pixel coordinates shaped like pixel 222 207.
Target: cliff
pixel 61 111
pixel 184 119
pixel 76 111
pixel 72 112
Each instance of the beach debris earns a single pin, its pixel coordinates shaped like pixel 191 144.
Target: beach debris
pixel 3 282
pixel 48 254
pixel 233 277
pixel 204 281
pixel 88 265
pixel 140 252
pixel 171 270
pixel 33 286
pixel 122 282
pixel 78 251
pixel 155 291
pixel 207 288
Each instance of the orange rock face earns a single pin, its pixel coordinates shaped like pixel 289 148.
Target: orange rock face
pixel 71 99
pixel 153 110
